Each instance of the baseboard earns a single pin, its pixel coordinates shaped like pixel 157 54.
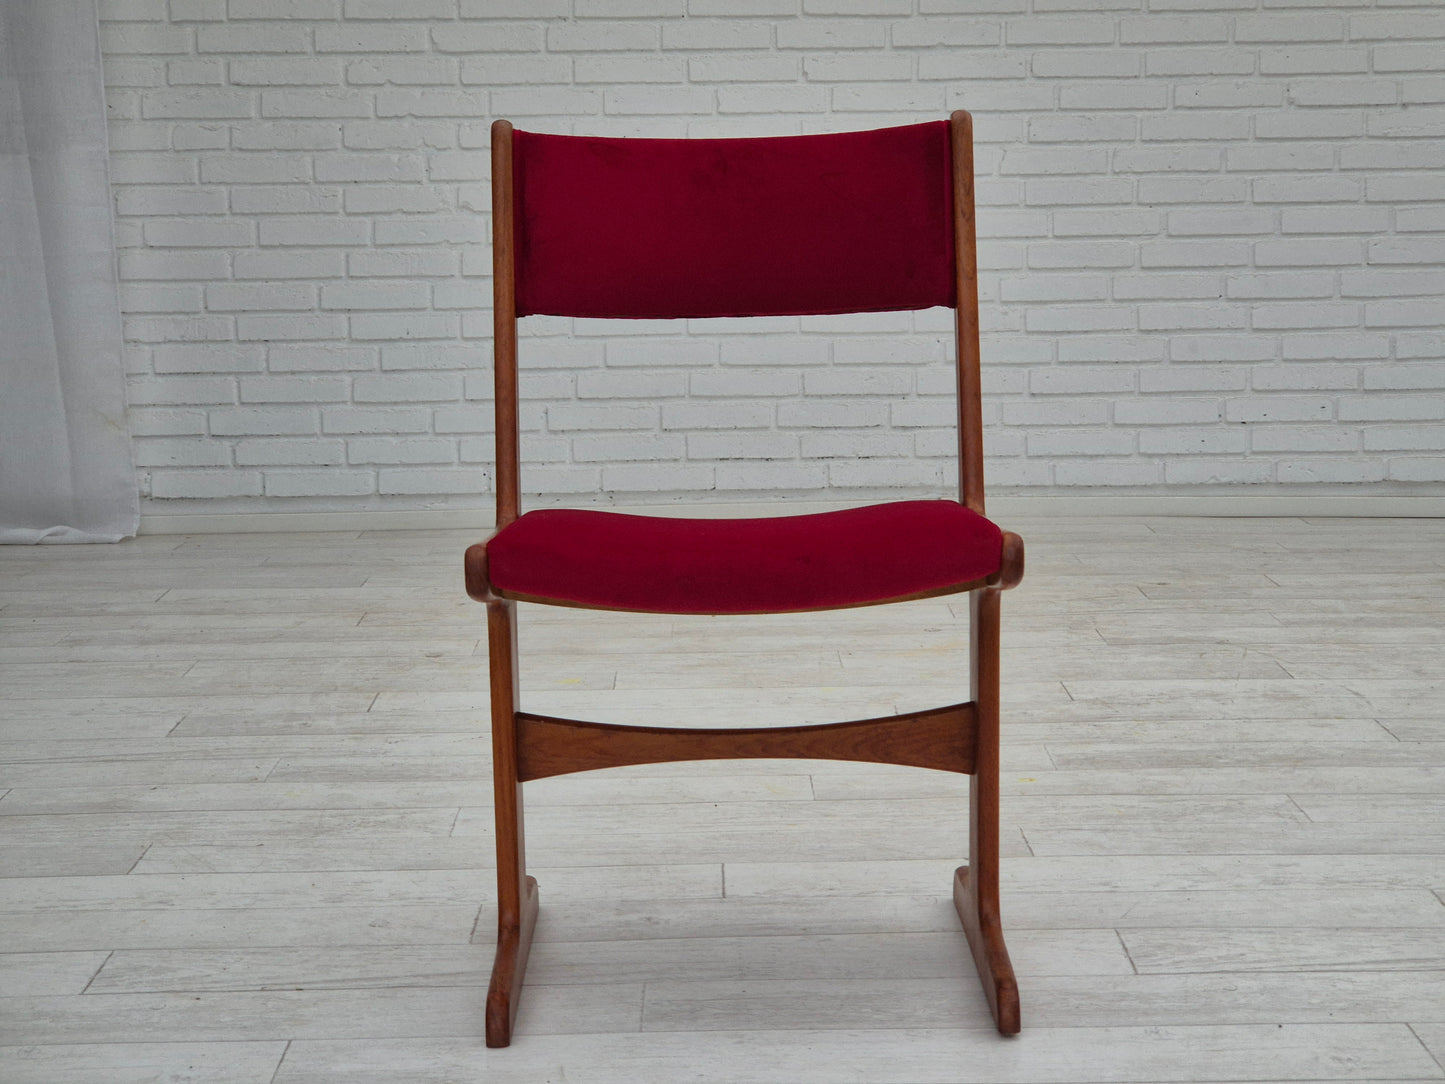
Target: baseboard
pixel 1219 505
pixel 1002 507
pixel 258 522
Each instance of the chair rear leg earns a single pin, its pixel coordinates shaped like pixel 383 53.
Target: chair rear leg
pixel 975 886
pixel 516 892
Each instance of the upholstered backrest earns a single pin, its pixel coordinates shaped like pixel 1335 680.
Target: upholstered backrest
pixel 855 222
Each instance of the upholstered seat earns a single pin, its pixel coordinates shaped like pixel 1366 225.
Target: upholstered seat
pixel 855 557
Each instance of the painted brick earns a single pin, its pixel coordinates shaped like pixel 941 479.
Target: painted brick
pixel 1279 408
pixel 391 451
pixel 198 232
pixel 1180 29
pixel 319 483
pixel 140 297
pixel 285 453
pixel 1298 377
pixel 1305 314
pixel 1175 285
pixel 728 446
pixel 1421 250
pixel 1057 444
pixel 1299 59
pixel 181 453
pixel 176 484
pixel 253 38
pixel 293 389
pixel 1210 209
pixel 1393 408
pixel 809 414
pixel 1304 438
pixel 1326 470
pixel 717 415
pixel 885 474
pixel 1193 378
pixel 1074 411
pixel 1417 469
pixel 1308 252
pixel 1401 188
pixel 1227 93
pixel 286 71
pixel 371 38
pixel 374 295
pixel 1177 62
pixel 707 35
pixel 267 421
pixel 283 358
pixel 1420 312
pixel 1335 346
pixel 1185 440
pixel 208 358
pixel 831 34
pixel 1390 438
pixel 1173 411
pixel 297 264
pixel 420 325
pixel 252 327
pixel 244 296
pixel 1086 64
pixel 641 384
pixel 1424 344
pixel 283 9
pixel 161 422
pixel 1305 189
pixel 1217 472
pixel 851 444
pixel 285 200
pixel 432 480
pixel 254 169
pixel 600 37
pixel 1108 472
pixel 684 478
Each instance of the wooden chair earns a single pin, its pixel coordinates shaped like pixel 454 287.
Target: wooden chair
pixel 659 228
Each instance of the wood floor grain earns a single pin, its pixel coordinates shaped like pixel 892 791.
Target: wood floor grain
pixel 245 831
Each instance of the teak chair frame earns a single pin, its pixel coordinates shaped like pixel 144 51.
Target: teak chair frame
pixel 961 738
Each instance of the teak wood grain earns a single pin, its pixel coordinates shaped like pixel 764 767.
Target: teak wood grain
pixel 941 738
pixel 966 330
pixel 516 892
pixel 504 322
pixel 975 887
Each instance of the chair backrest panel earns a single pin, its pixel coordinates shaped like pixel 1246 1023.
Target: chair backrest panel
pixel 663 228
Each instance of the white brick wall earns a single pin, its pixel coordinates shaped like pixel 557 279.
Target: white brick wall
pixel 1212 231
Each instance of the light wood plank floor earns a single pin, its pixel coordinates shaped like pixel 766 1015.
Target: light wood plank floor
pixel 245 825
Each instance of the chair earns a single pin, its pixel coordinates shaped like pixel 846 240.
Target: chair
pixel 663 228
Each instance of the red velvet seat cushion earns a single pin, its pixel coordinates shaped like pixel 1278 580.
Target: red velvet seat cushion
pixel 854 557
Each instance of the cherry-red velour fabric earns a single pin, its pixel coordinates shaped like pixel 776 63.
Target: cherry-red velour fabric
pixel 853 222
pixel 718 566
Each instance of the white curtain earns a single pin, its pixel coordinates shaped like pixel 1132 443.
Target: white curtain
pixel 66 469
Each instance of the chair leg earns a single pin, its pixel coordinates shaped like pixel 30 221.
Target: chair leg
pixel 975 886
pixel 516 892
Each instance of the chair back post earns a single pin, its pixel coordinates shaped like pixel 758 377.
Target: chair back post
pixel 965 254
pixel 504 322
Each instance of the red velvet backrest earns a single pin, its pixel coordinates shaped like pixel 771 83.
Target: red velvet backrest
pixel 855 222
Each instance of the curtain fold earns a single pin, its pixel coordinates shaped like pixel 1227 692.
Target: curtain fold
pixel 67 473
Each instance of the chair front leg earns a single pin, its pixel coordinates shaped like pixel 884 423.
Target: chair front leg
pixel 516 892
pixel 975 886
